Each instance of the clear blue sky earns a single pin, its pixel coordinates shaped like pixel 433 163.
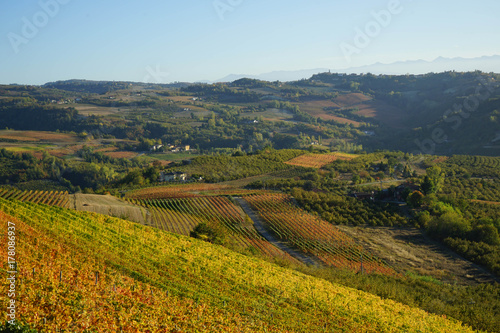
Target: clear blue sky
pixel 189 40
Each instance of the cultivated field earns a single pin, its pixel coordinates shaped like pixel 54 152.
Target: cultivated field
pixel 319 160
pixel 316 109
pixel 110 275
pixel 38 136
pixel 313 235
pixel 93 110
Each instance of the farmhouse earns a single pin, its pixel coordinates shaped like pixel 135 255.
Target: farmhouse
pixel 155 147
pixel 172 176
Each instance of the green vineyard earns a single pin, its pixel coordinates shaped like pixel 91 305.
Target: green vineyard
pixel 476 166
pixel 313 235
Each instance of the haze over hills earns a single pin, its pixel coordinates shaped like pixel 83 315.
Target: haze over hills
pixel 485 64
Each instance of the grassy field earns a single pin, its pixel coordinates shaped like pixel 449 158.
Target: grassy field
pixel 83 271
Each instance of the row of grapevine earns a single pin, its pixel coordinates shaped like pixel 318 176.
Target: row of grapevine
pixel 476 166
pixel 313 235
pixel 51 198
pixel 90 295
pixel 182 215
pixel 85 272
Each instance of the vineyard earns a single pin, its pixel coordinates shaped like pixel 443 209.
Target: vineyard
pixel 82 271
pixel 476 189
pixel 319 160
pixel 313 235
pixel 51 198
pixel 476 166
pixel 185 191
pixel 182 215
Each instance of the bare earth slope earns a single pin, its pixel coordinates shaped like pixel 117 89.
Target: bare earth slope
pixel 410 249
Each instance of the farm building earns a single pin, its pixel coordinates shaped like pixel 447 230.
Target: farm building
pixel 172 176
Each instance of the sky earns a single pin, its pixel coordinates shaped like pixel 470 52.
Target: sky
pixel 164 41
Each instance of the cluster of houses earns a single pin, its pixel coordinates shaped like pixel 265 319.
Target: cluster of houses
pixel 170 148
pixel 65 101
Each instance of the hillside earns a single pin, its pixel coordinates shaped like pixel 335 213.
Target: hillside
pixel 435 113
pixel 86 271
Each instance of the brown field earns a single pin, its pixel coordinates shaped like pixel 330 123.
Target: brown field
pixel 60 152
pixel 75 148
pixel 319 160
pixel 315 109
pixel 120 154
pixel 366 110
pixel 349 100
pixel 37 136
pixel 383 112
pixel 170 191
pixel 105 149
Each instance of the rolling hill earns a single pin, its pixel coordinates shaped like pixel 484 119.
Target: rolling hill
pixel 83 271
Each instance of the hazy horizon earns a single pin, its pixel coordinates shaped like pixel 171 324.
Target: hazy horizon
pixel 165 41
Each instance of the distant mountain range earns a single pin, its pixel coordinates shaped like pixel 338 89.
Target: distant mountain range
pixel 484 64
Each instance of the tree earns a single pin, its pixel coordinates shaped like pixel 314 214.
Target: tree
pixel 415 199
pixel 208 233
pixel 433 180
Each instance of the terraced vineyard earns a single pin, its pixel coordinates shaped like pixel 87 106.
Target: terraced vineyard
pixel 51 198
pixel 182 215
pixel 87 272
pixel 313 235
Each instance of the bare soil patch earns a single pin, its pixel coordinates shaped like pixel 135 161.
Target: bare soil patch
pixel 409 249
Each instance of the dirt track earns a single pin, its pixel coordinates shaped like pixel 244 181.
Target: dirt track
pixel 259 226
